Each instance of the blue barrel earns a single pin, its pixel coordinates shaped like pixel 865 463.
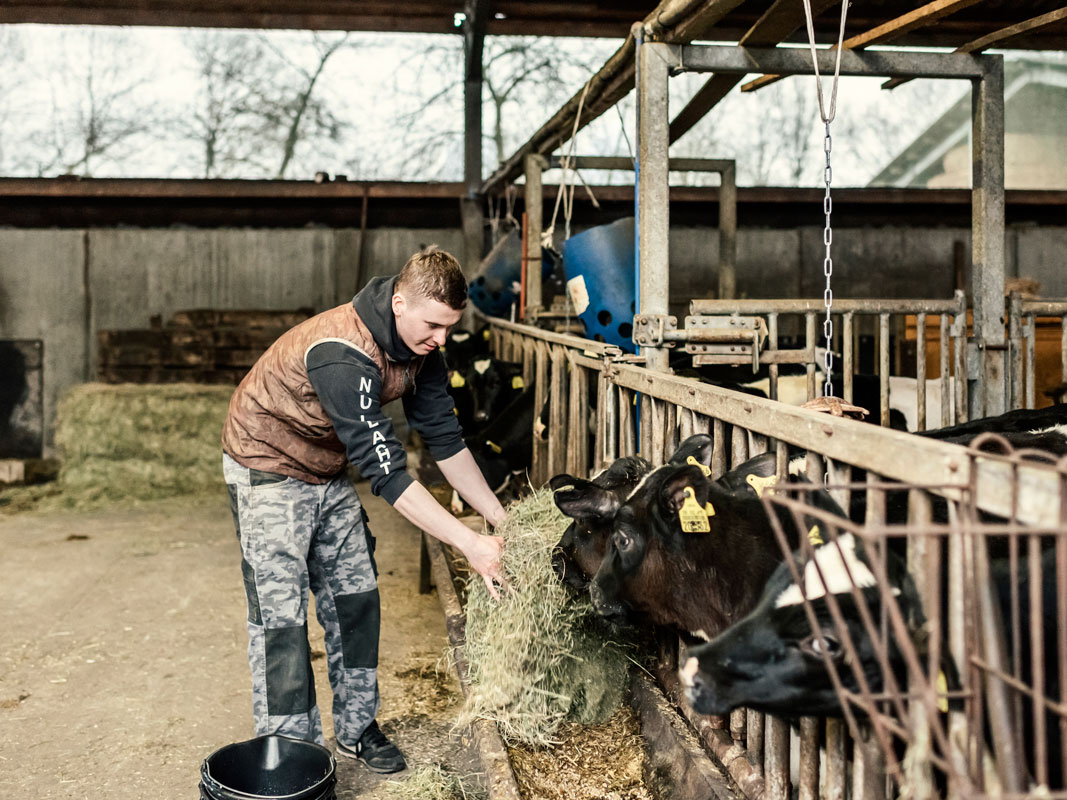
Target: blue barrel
pixel 599 266
pixel 496 285
pixel 267 767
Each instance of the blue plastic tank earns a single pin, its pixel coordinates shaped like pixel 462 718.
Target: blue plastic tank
pixel 599 267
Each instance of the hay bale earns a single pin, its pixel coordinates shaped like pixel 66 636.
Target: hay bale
pixel 539 656
pixel 432 783
pixel 129 443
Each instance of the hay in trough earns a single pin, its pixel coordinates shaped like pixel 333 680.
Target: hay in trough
pixel 432 783
pixel 590 762
pixel 128 443
pixel 539 656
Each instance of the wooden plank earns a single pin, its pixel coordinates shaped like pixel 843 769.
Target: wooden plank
pixel 694 776
pixel 999 37
pixel 887 31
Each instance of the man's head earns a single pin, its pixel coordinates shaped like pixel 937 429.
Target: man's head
pixel 428 299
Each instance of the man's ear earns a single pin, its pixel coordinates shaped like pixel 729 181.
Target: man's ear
pixel 398 304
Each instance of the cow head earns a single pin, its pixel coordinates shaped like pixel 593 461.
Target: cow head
pixel 591 505
pixel 493 384
pixel 772 660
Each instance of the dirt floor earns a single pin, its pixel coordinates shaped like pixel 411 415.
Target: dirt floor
pixel 123 661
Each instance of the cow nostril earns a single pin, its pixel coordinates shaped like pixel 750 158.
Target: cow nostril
pixel 481 416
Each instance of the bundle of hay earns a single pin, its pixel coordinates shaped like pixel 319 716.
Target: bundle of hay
pixel 132 442
pixel 431 782
pixel 538 656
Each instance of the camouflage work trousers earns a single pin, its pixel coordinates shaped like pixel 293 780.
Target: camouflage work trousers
pixel 297 536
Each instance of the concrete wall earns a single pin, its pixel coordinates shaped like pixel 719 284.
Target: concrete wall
pixel 64 285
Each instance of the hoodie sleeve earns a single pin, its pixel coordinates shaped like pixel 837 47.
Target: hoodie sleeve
pixel 431 411
pixel 349 386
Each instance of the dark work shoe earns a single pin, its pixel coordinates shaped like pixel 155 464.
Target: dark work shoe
pixel 374 750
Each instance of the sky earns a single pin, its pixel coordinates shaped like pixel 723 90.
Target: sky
pixel 391 108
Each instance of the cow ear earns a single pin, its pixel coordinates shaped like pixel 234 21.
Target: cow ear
pixel 580 499
pixel 673 493
pixel 697 446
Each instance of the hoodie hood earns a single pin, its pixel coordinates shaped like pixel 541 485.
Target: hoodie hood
pixel 374 304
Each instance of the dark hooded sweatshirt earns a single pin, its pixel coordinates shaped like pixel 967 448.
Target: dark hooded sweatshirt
pixel 314 400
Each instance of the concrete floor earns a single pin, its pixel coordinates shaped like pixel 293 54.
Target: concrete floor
pixel 123 661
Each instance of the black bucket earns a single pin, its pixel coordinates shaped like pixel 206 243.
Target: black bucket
pixel 269 767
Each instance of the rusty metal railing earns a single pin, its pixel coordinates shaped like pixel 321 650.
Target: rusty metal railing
pixel 1004 731
pixel 637 410
pixel 901 344
pixel 1037 338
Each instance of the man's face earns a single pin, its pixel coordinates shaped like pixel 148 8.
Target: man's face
pixel 422 322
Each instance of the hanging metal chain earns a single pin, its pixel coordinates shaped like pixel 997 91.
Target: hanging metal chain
pixel 827 204
pixel 828 270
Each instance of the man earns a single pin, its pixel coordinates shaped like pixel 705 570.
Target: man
pixel 311 404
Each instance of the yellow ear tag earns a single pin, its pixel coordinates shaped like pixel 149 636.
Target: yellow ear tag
pixel 760 485
pixel 518 383
pixel 691 516
pixel 942 689
pixel 815 536
pixel 457 380
pixel 494 447
pixel 693 462
pixel 486 334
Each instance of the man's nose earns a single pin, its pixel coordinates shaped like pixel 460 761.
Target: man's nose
pixel 440 337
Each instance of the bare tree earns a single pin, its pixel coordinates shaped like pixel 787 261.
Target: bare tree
pixel 520 73
pixel 258 101
pixel 99 107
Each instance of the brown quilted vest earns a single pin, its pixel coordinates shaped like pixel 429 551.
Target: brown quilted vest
pixel 276 423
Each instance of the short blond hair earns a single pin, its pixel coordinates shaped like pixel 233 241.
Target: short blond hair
pixel 434 274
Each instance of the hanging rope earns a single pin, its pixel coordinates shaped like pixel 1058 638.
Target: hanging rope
pixel 828 233
pixel 565 165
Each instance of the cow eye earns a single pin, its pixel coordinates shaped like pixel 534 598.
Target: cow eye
pixel 623 541
pixel 813 646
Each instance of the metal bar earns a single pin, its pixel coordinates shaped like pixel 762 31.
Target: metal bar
pixel 757 734
pixel 472 215
pixel 711 307
pixel 847 345
pixel 809 345
pixel 1063 348
pixel 946 386
pixel 772 369
pixel 1030 334
pixel 920 369
pixel 959 348
pixel 883 368
pixel 580 376
pixel 1048 308
pixel 987 228
pixel 1015 349
pixel 728 233
pixel 627 434
pixel 652 189
pixel 780 61
pixel 576 424
pixel 533 165
pixel 718 447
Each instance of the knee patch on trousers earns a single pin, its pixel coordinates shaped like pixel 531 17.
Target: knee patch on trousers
pixel 251 593
pixel 290 686
pixel 359 618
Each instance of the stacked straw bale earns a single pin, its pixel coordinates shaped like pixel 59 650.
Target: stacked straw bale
pixel 139 442
pixel 539 656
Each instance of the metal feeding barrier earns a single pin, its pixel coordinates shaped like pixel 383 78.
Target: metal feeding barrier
pixel 1000 732
pixel 602 405
pixel 1037 337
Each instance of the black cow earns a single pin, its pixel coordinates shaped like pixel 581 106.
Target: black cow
pixel 772 660
pixel 689 552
